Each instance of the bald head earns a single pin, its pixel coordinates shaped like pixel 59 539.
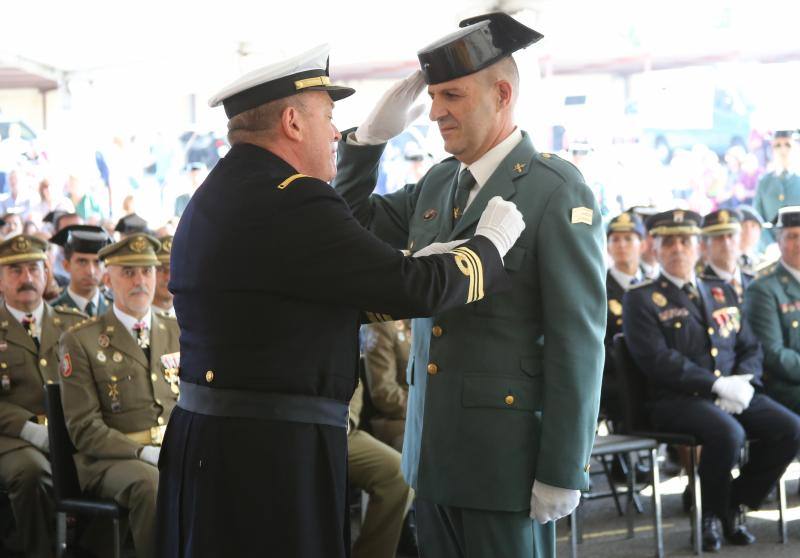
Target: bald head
pixel 503 70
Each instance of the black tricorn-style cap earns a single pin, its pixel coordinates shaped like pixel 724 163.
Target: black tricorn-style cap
pixel 481 41
pixel 84 239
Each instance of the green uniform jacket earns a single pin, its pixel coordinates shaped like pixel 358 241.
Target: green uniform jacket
pixel 775 191
pixel 24 370
pixel 109 389
pixel 513 380
pixel 64 299
pixel 772 307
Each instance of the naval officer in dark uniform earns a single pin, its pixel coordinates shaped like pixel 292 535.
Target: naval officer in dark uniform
pixel 703 365
pixel 270 271
pixel 721 231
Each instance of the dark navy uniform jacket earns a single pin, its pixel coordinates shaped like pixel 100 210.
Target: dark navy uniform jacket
pixel 747 278
pixel 270 276
pixel 682 349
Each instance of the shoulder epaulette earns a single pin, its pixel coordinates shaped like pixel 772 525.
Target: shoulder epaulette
pixel 70 310
pixel 166 315
pixel 83 323
pixel 766 269
pixel 291 179
pixel 642 284
pixel 558 165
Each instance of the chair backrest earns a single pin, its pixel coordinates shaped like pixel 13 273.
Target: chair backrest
pixel 65 476
pixel 632 389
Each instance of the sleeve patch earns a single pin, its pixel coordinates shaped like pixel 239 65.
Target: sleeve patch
pixel 582 215
pixel 66 366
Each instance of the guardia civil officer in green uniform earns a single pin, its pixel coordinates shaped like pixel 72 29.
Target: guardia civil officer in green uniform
pixel 772 307
pixel 509 387
pixel 270 271
pixel 781 185
pixel 119 384
pixel 29 333
pixel 721 230
pixel 81 243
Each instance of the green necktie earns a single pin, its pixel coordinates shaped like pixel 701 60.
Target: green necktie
pixel 90 308
pixel 466 182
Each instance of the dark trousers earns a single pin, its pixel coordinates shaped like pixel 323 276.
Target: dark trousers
pixel 775 432
pixel 450 532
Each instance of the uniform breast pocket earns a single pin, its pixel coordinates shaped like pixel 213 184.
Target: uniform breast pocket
pixel 493 391
pixel 13 371
pixel 115 392
pixel 515 257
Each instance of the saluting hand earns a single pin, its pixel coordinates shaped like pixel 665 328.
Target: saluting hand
pixel 393 113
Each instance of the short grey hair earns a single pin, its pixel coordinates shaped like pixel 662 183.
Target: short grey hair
pixel 261 119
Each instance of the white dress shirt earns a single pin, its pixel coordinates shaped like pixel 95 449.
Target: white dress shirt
pixel 82 302
pixel 38 314
pixel 726 276
pixel 680 282
pixel 483 169
pixel 623 278
pixel 129 321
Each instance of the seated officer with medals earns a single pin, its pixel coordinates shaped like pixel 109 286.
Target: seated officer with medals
pixel 81 243
pixel 119 385
pixel 29 333
pixel 703 366
pixel 772 308
pixel 721 231
pixel 752 226
pixel 625 233
pixel 270 356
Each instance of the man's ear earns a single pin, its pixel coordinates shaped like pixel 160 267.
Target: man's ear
pixel 291 123
pixel 505 93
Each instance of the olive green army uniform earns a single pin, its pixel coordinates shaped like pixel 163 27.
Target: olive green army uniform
pixel 386 349
pixel 24 369
pixel 374 467
pixel 116 401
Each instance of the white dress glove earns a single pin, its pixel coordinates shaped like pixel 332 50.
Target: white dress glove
pixel 549 503
pixel 730 407
pixel 149 454
pixel 736 388
pixel 438 248
pixel 393 113
pixel 36 435
pixel 502 223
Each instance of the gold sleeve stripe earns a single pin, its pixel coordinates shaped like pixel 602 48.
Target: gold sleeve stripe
pixel 289 180
pixel 478 271
pixel 377 318
pixel 470 265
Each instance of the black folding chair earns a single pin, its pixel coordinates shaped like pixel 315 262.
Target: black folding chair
pixel 69 498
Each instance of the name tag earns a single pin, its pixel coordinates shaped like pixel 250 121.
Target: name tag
pixel 673 313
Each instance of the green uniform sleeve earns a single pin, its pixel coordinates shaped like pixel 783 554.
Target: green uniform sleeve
pixel 572 278
pixel 762 312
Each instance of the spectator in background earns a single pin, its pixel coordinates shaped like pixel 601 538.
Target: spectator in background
pixel 86 205
pixel 18 199
pixel 749 238
pixel 12 226
pixel 49 202
pixel 781 185
pixel 197 173
pixel 386 348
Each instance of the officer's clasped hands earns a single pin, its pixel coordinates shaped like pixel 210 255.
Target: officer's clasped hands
pixel 393 113
pixel 502 223
pixel 150 454
pixel 735 392
pixel 36 435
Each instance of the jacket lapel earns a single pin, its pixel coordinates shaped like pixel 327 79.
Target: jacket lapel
pixel 676 294
pixel 789 283
pixel 122 340
pixel 707 299
pixel 15 332
pixel 157 343
pixel 501 183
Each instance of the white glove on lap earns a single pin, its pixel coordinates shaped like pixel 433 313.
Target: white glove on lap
pixel 549 503
pixel 36 435
pixel 730 407
pixel 393 113
pixel 438 248
pixel 502 223
pixel 149 454
pixel 735 388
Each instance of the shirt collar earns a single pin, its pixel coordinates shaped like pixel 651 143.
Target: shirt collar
pixel 37 313
pixel 623 278
pixel 82 302
pixel 129 321
pixel 679 282
pixel 726 276
pixel 792 271
pixel 483 169
pixel 168 311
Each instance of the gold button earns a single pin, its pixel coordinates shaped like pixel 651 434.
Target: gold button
pixel 509 399
pixel 432 368
pixel 781 197
pixel 3 365
pixel 619 321
pixel 49 381
pixel 717 373
pixel 795 324
pixel 586 469
pixel 160 420
pixel 43 362
pixel 113 378
pixel 678 325
pixel 437 331
pixel 711 331
pixel 153 377
pixel 158 402
pixel 714 351
pixel 210 376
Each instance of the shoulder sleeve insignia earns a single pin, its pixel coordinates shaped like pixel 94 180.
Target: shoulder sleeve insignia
pixel 470 265
pixel 582 215
pixel 289 180
pixel 66 365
